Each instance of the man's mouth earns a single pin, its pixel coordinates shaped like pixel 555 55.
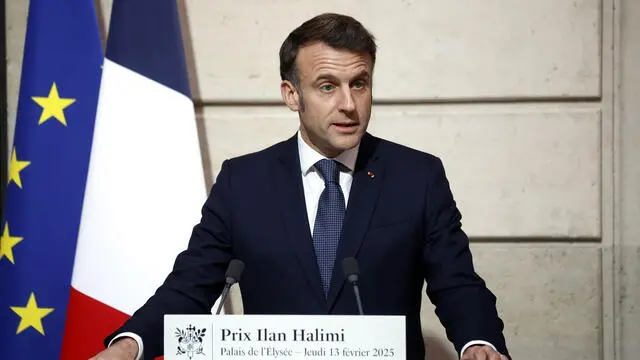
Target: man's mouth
pixel 345 125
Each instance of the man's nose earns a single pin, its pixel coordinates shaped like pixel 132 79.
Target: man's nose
pixel 347 103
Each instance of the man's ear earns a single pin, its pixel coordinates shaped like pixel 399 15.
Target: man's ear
pixel 290 95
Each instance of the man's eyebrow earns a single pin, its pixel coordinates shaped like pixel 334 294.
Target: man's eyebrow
pixel 326 76
pixel 363 74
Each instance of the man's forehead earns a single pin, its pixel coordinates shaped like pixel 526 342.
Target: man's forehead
pixel 323 58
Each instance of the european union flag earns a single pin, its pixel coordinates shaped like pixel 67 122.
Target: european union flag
pixel 48 166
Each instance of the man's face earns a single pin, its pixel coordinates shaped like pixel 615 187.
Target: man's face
pixel 335 100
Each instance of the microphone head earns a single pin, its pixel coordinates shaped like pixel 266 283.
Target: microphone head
pixel 234 271
pixel 350 268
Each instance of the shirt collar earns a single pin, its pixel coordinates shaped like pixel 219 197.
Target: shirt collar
pixel 309 156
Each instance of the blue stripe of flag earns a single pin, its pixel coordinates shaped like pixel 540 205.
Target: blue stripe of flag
pixel 145 37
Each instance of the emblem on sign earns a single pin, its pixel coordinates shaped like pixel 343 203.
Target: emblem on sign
pixel 190 341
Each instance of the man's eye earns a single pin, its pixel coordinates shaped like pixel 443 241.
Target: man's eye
pixel 326 87
pixel 359 84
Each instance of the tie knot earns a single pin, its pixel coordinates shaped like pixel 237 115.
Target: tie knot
pixel 330 170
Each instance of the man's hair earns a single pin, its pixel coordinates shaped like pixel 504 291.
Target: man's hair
pixel 336 30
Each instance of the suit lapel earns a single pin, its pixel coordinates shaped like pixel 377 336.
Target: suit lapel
pixel 367 182
pixel 289 189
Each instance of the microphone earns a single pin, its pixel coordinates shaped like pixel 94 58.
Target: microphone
pixel 233 274
pixel 351 271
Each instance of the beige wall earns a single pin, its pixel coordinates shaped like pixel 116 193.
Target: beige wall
pixel 628 183
pixel 533 106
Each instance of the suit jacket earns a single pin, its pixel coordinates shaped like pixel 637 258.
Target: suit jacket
pixel 402 225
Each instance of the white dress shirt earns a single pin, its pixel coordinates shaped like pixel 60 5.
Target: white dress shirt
pixel 313 185
pixel 312 180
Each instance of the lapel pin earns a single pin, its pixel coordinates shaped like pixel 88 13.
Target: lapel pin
pixel 371 174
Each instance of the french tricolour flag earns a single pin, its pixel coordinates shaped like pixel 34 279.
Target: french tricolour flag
pixel 145 186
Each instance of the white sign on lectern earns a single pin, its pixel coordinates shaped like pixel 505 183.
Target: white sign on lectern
pixel 244 337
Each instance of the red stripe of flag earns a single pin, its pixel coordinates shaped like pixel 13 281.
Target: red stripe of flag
pixel 88 323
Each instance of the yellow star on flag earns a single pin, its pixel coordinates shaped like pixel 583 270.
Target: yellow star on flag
pixel 15 166
pixel 7 242
pixel 53 106
pixel 31 315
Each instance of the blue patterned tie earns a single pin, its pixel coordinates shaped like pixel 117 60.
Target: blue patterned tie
pixel 328 225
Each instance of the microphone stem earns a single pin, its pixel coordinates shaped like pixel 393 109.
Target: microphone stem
pixel 356 290
pixel 223 297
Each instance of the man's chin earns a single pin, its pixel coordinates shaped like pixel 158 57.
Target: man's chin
pixel 347 142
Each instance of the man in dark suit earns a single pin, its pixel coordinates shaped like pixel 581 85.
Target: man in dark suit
pixel 293 211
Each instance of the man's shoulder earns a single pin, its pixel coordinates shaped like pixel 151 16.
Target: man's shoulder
pixel 260 156
pixel 400 153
